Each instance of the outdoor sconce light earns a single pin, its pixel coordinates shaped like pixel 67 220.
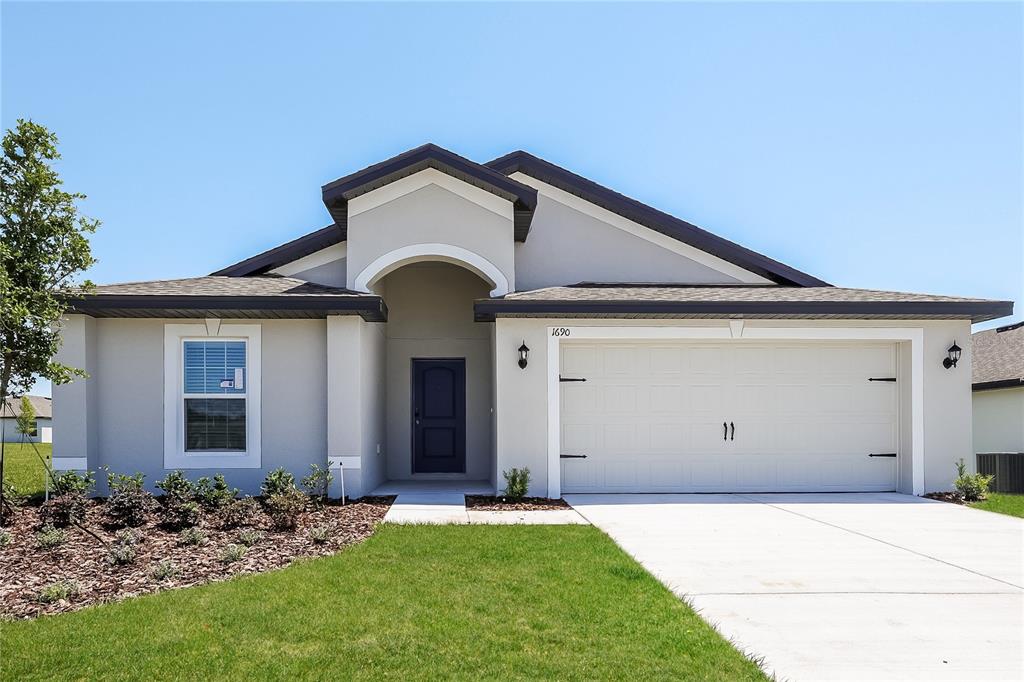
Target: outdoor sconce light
pixel 952 356
pixel 524 354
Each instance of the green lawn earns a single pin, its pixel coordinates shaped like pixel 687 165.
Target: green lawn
pixel 1003 503
pixel 23 468
pixel 412 602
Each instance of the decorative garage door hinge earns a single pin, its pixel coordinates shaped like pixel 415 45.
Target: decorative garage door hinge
pixel 882 454
pixel 564 379
pixel 573 456
pixel 892 379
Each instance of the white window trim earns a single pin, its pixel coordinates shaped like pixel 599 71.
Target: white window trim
pixel 912 335
pixel 175 456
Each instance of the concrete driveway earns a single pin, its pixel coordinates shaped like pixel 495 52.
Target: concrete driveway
pixel 838 586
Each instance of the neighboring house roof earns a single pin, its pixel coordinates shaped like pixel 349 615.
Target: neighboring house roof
pixel 337 194
pixel 41 404
pixel 667 300
pixel 997 357
pixel 228 297
pixel 631 209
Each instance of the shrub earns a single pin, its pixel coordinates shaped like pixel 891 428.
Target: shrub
pixel 250 537
pixel 192 536
pixel 321 533
pixel 120 553
pixel 232 553
pixel 243 512
pixel 318 482
pixel 215 493
pixel 970 487
pixel 11 496
pixel 129 536
pixel 73 482
pixel 49 537
pixel 177 487
pixel 60 590
pixel 284 508
pixel 517 482
pixel 129 502
pixel 180 513
pixel 5 538
pixel 64 510
pixel 277 482
pixel 163 570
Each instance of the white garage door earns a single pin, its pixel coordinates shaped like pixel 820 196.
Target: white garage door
pixel 728 417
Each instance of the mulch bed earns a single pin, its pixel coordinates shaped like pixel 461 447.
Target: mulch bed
pixel 945 497
pixel 26 569
pixel 491 503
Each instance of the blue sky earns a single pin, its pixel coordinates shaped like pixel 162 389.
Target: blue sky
pixel 874 145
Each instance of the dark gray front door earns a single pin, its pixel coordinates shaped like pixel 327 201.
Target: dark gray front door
pixel 438 416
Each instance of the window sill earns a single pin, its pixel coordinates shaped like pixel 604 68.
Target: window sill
pixel 212 460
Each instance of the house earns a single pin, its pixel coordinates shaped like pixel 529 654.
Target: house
pixel 44 423
pixel 998 383
pixel 458 319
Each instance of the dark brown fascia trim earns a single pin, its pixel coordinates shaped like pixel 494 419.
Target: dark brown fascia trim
pixel 487 309
pixel 336 194
pixel 370 308
pixel 1001 383
pixel 645 215
pixel 286 253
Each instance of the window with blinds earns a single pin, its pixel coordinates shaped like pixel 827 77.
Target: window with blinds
pixel 215 395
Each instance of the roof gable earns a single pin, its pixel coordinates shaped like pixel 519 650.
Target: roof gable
pixel 549 173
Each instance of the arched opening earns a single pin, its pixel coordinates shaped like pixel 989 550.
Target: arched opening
pixel 443 253
pixel 440 372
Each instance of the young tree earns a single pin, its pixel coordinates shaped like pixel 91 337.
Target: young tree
pixel 26 420
pixel 44 245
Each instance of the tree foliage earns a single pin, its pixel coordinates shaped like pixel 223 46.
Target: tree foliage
pixel 26 420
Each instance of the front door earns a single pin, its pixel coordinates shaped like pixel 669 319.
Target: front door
pixel 438 416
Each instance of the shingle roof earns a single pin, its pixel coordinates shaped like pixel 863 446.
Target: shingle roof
pixel 997 357
pixel 217 296
pixel 663 300
pixel 41 404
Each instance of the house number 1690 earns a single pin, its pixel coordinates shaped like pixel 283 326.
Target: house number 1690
pixel 560 331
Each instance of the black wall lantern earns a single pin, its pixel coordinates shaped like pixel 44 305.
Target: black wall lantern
pixel 952 356
pixel 524 355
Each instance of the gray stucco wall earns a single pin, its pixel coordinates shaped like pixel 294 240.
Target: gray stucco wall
pixel 9 427
pixel 127 392
pixel 331 274
pixel 431 316
pixel 999 420
pixel 566 246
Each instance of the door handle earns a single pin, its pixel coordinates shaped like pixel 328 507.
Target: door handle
pixel 416 417
pixel 725 431
pixel 733 435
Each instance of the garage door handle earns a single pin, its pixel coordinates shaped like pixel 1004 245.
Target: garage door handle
pixel 733 427
pixel 725 431
pixel 882 454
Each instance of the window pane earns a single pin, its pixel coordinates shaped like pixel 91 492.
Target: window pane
pixel 210 367
pixel 215 424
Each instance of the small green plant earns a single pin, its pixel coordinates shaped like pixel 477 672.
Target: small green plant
pixel 284 508
pixel 119 554
pixel 214 493
pixel 49 537
pixel 192 536
pixel 176 513
pixel 128 502
pixel 232 553
pixel 71 481
pixel 176 486
pixel 277 482
pixel 165 569
pixel 129 536
pixel 61 590
pixel 318 482
pixel 970 487
pixel 64 510
pixel 243 512
pixel 5 538
pixel 517 482
pixel 250 537
pixel 321 533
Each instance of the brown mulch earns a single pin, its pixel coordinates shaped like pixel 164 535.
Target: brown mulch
pixel 26 569
pixel 492 503
pixel 945 497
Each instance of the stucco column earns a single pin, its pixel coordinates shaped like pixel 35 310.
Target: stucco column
pixel 344 424
pixel 74 405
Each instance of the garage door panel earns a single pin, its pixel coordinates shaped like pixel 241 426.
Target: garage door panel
pixel 650 417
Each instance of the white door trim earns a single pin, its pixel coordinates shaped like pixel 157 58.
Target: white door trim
pixel 912 335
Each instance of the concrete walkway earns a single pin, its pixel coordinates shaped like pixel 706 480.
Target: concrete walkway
pixel 838 586
pixel 445 502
